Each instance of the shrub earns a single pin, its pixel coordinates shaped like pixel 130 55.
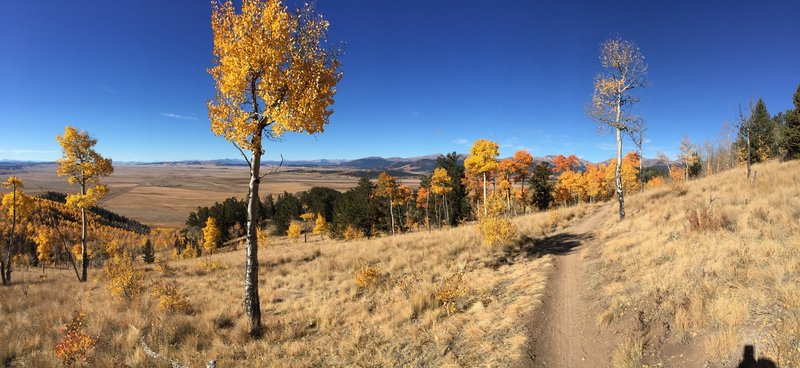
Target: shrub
pixel 352 233
pixel 496 229
pixel 210 265
pixel 704 219
pixel 125 282
pixel 366 275
pixel 450 292
pixel 74 344
pixel 170 299
pixel 294 231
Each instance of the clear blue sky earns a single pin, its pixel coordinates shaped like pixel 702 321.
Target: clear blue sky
pixel 420 77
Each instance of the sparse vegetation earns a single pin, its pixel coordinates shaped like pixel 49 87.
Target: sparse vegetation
pixel 716 262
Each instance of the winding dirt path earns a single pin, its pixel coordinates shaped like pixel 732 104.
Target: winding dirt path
pixel 563 330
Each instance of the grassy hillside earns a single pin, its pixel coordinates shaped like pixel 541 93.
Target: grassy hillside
pixel 419 299
pixel 697 272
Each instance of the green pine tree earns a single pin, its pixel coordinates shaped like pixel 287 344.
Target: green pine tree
pixel 147 252
pixel 760 127
pixel 790 132
pixel 541 186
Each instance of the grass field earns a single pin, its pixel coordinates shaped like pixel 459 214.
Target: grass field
pixel 426 299
pixel 700 270
pixel 163 195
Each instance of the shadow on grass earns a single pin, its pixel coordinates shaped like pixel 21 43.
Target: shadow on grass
pixel 527 247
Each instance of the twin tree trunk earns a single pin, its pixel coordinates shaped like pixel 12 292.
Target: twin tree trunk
pixel 6 269
pixel 84 251
pixel 618 174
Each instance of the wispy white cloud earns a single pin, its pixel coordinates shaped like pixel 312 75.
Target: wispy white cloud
pixel 25 151
pixel 461 141
pixel 176 116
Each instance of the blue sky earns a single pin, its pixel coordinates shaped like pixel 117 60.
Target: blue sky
pixel 420 77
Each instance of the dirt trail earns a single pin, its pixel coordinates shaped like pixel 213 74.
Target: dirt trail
pixel 563 330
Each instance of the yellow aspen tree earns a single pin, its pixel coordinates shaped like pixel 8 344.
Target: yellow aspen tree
pixel 84 167
pixel 17 206
pixel 211 236
pixel 423 201
pixel 505 170
pixel 612 101
pixel 442 184
pixel 44 247
pixel 307 217
pixel 387 187
pixel 294 231
pixel 402 197
pixel 273 74
pixel 523 163
pixel 482 160
pixel 320 225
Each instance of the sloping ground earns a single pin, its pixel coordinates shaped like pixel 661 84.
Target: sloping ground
pixel 697 273
pixel 430 299
pixel 563 332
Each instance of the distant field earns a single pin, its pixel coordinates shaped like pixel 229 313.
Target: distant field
pixel 163 195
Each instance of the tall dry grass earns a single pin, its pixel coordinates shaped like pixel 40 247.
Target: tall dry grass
pixel 708 267
pixel 419 299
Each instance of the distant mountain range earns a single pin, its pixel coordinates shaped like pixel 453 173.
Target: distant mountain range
pixel 419 164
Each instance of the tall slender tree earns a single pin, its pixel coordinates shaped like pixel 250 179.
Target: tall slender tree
pixel 790 132
pixel 84 167
pixel 273 73
pixel 523 162
pixel 16 205
pixel 624 71
pixel 387 188
pixel 481 161
pixel 441 184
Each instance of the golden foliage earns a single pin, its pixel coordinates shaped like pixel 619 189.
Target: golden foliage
pixel 294 231
pixel 495 228
pixel 441 183
pixel 80 163
pixel 320 225
pixel 655 182
pixel 125 281
pixel 211 236
pixel 44 247
pixel 89 199
pixel 366 274
pixel 267 57
pixel 352 233
pixel 170 299
pixel 74 344
pixel 482 157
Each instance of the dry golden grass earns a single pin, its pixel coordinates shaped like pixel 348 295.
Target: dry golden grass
pixel 718 260
pixel 432 299
pixel 163 195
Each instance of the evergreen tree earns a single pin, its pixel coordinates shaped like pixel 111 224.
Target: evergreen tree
pixel 760 129
pixel 268 207
pixel 790 131
pixel 457 200
pixel 357 208
pixel 287 208
pixel 148 255
pixel 541 186
pixel 695 165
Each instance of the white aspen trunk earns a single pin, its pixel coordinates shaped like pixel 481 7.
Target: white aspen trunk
pixel 84 251
pixel 485 205
pixel 391 214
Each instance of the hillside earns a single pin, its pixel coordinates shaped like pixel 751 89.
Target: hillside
pixel 417 299
pixel 695 273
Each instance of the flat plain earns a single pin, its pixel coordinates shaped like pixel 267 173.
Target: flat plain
pixel 165 194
